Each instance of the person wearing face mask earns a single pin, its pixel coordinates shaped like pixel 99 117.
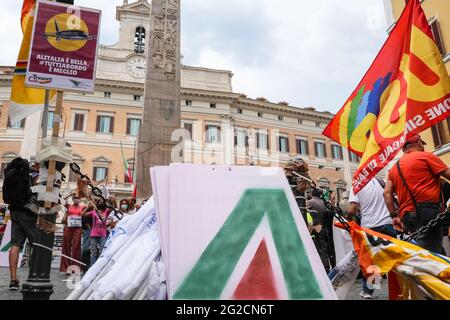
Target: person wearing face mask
pixel 72 234
pixel 98 213
pixel 124 207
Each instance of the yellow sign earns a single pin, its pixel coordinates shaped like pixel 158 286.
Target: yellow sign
pixel 66 32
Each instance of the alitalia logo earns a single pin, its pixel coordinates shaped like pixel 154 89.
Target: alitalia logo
pixel 211 273
pixel 6 247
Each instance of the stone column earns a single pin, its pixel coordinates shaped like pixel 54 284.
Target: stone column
pixel 227 130
pixel 161 114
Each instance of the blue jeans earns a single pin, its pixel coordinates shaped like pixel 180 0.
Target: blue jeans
pixel 389 230
pixel 96 248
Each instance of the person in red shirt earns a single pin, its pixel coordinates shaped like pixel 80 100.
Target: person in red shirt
pixel 422 172
pixel 72 234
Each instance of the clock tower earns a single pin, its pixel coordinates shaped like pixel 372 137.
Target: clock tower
pixel 126 59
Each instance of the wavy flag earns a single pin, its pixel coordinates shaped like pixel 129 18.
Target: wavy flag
pixel 405 91
pixel 25 100
pixel 420 274
pixel 126 166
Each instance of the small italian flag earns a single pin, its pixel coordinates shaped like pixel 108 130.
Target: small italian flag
pixel 128 175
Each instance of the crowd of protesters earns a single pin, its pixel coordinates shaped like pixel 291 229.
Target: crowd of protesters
pixel 87 225
pixel 416 191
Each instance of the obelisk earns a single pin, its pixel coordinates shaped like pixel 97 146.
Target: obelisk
pixel 161 115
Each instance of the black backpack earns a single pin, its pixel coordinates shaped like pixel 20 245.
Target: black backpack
pixel 17 182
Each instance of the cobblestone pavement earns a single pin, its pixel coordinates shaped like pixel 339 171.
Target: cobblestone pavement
pixel 61 289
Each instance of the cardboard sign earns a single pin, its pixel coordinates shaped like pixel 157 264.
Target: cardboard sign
pixel 235 233
pixel 63 50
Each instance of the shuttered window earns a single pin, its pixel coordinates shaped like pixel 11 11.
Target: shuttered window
pixel 100 173
pixel 133 126
pixel 302 147
pixel 262 141
pixel 438 135
pixel 78 122
pixel 283 144
pixel 105 124
pixel 320 149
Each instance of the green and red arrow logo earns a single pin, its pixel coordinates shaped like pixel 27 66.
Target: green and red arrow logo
pixel 211 273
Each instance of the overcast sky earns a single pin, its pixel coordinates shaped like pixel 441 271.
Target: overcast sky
pixel 308 53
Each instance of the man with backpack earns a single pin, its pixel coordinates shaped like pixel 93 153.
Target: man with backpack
pixel 17 194
pixel 415 179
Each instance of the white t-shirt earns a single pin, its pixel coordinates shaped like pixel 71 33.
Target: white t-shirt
pixel 374 212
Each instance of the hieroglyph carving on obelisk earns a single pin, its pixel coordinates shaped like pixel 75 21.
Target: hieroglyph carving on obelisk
pixel 161 116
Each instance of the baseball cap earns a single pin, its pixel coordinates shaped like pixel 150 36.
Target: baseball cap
pixel 414 139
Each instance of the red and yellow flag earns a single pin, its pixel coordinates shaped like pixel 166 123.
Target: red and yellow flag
pixel 405 91
pixel 24 100
pixel 413 267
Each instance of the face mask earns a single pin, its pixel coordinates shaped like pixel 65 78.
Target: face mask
pixel 124 207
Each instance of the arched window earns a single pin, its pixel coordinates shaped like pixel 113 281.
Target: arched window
pixel 139 40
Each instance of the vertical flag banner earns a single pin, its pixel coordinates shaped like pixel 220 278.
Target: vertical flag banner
pixel 63 50
pixel 126 166
pixel 24 100
pixel 405 91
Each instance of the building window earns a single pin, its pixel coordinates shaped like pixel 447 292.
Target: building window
pixel 340 191
pixel 280 118
pixel 240 111
pixel 260 114
pixel 240 138
pixel 300 121
pixel 51 118
pixel 438 135
pixel 137 97
pixel 302 147
pixel 283 144
pixel 212 133
pixel 320 149
pixel 353 157
pixel 133 126
pixel 78 122
pixel 337 152
pixel 188 103
pixel 262 141
pixel 139 40
pixel 436 31
pixel 100 173
pixel 189 127
pixel 18 125
pixel 107 94
pixel 212 105
pixel 318 124
pixel 105 124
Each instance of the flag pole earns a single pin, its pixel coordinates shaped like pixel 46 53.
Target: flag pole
pixel 45 115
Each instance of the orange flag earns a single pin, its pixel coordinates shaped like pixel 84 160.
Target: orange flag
pixel 405 91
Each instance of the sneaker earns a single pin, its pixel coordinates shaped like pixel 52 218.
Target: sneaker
pixel 365 295
pixel 14 285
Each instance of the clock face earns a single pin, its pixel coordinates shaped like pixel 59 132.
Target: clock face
pixel 137 67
